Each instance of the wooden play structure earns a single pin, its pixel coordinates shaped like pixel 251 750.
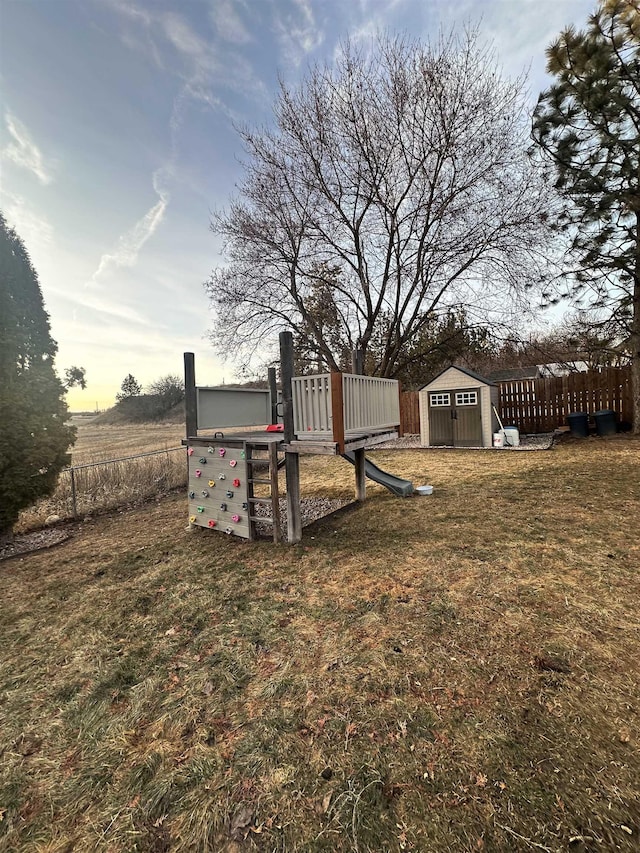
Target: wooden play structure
pixel 330 413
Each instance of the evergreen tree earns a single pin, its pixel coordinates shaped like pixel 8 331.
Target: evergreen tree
pixel 34 437
pixel 588 125
pixel 75 377
pixel 130 388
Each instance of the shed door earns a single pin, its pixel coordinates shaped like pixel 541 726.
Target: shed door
pixel 455 418
pixel 467 418
pixel 441 421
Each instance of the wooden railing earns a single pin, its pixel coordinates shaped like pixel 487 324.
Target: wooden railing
pixel 338 405
pixel 369 403
pixel 312 416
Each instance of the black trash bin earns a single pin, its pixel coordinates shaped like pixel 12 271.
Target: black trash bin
pixel 578 424
pixel 606 423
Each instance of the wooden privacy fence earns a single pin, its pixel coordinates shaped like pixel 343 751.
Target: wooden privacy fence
pixel 541 405
pixel 409 413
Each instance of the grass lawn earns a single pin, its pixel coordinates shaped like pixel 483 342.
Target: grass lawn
pixel 453 673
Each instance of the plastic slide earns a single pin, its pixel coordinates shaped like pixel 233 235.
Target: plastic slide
pixel 401 488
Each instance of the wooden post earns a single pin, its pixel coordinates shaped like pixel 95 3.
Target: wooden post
pixel 190 400
pixel 275 494
pixel 361 478
pixel 273 390
pixel 337 410
pixel 292 460
pixel 357 361
pixel 357 367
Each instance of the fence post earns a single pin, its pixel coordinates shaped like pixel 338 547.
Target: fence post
pixel 74 505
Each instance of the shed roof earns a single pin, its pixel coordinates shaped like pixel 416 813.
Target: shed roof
pixel 483 380
pixel 514 373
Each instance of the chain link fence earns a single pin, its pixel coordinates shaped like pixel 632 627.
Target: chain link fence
pixel 111 483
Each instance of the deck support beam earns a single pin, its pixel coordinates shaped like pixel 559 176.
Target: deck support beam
pixel 292 460
pixel 361 480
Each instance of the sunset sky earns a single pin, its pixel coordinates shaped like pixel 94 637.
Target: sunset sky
pixel 118 141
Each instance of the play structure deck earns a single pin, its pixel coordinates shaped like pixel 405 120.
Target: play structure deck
pixel 232 473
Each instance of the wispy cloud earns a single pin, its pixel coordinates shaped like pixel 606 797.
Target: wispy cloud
pixel 297 30
pixel 184 38
pixel 128 247
pixel 228 22
pixel 23 151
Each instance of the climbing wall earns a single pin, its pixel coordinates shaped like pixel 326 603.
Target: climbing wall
pixel 218 489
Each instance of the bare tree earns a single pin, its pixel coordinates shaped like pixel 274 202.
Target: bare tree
pixel 394 188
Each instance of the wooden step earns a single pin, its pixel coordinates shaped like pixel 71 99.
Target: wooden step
pixel 263 462
pixel 261 518
pixel 261 500
pixel 260 482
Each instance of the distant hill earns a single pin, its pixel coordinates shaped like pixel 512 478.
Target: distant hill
pixel 145 408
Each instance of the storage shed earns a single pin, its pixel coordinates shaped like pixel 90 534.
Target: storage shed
pixel 456 410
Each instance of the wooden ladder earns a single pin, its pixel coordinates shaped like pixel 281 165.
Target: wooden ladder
pixel 254 466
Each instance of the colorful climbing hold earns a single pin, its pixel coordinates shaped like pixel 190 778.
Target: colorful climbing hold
pixel 211 450
pixel 198 472
pixel 200 509
pixel 228 530
pixel 192 495
pixel 235 518
pixel 205 493
pixel 222 476
pixel 202 460
pixel 189 451
pixel 212 523
pixel 243 455
pixel 192 519
pixel 212 483
pixel 222 451
pixel 229 494
pixel 233 463
pixel 245 505
pixel 236 482
pixel 223 507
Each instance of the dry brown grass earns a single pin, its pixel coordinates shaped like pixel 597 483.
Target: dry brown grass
pixel 95 442
pixel 108 486
pixel 457 672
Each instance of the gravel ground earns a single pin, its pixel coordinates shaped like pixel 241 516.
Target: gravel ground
pixel 543 441
pixel 311 509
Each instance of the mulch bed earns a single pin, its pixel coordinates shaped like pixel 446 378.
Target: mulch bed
pixel 25 543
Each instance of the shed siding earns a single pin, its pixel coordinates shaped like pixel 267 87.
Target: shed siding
pixel 486 412
pixel 423 401
pixel 452 378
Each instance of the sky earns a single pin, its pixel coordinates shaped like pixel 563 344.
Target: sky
pixel 118 141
